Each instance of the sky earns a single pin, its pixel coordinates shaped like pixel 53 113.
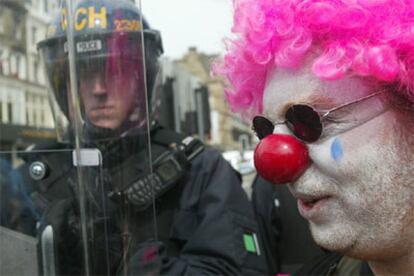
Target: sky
pixel 187 23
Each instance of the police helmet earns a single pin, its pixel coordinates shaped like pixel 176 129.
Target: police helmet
pixel 105 33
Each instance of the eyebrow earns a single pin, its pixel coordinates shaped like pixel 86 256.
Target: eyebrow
pixel 319 102
pixel 322 102
pixel 319 99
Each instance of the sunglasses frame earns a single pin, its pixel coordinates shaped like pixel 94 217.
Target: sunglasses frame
pixel 323 116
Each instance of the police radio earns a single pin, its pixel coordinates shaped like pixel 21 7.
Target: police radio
pixel 168 167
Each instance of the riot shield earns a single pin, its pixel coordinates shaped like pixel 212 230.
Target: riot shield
pixel 85 201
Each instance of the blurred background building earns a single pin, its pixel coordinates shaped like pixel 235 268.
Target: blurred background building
pixel 25 115
pixel 198 103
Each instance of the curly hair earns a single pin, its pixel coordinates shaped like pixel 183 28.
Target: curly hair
pixel 372 38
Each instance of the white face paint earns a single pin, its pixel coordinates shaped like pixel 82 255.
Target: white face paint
pixel 364 200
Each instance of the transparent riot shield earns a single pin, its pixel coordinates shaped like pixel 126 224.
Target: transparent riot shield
pixel 84 203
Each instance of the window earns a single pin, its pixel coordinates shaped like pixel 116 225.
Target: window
pixel 6 62
pixel 17 65
pixel 46 6
pixel 17 30
pixel 35 4
pixel 27 117
pixel 10 111
pixel 44 111
pixel 23 68
pixel 37 110
pixel 35 121
pixel 29 107
pixel 2 61
pixel 34 34
pixel 35 71
pixel 2 24
pixel 42 118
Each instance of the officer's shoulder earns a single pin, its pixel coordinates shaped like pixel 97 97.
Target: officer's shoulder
pixel 45 145
pixel 202 153
pixel 50 155
pixel 33 150
pixel 210 154
pixel 210 158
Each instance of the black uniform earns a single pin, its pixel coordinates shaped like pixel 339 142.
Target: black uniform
pixel 203 219
pixel 335 264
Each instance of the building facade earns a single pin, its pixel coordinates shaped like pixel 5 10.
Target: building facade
pixel 228 131
pixel 25 114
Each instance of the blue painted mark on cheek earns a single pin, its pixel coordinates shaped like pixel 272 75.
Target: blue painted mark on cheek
pixel 336 150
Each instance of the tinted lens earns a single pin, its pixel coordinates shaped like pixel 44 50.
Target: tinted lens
pixel 262 127
pixel 304 122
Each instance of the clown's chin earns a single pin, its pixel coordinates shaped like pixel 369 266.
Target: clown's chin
pixel 334 237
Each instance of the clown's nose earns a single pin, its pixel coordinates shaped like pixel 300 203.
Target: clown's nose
pixel 281 158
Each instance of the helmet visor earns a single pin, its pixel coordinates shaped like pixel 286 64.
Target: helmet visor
pixel 97 74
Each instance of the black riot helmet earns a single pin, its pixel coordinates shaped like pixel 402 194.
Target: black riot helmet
pixel 115 64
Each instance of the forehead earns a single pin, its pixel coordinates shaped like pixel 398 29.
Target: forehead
pixel 290 86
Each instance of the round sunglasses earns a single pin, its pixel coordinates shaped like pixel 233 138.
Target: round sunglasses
pixel 310 124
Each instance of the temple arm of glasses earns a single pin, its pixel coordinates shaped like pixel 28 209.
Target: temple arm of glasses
pixel 353 114
pixel 352 104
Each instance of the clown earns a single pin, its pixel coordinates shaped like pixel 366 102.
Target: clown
pixel 329 86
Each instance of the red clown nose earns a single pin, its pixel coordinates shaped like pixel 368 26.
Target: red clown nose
pixel 281 158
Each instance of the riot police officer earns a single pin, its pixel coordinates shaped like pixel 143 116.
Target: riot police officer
pixel 119 194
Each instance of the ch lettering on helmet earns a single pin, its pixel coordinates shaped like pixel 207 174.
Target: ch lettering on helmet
pixel 92 18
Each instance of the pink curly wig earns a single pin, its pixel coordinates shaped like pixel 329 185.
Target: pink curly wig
pixel 364 37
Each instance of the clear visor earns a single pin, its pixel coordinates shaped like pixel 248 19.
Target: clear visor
pixel 98 81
